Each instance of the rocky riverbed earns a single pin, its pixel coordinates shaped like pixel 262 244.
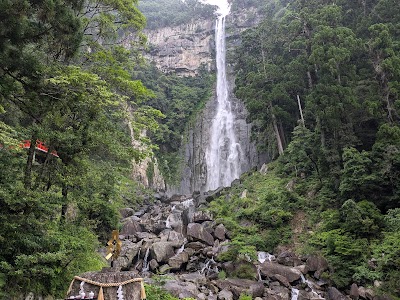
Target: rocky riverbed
pixel 176 241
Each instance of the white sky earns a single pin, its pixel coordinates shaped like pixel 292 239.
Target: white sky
pixel 223 6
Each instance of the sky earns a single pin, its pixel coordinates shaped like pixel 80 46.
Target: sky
pixel 223 6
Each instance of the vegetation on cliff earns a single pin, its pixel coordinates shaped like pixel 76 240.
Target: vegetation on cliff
pixel 339 158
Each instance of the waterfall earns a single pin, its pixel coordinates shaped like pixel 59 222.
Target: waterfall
pixel 145 261
pixel 223 155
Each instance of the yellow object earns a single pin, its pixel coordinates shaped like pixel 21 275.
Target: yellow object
pixel 114 246
pixel 101 285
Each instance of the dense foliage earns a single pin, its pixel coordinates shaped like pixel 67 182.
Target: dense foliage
pixel 65 80
pixel 321 82
pixel 180 99
pixel 162 13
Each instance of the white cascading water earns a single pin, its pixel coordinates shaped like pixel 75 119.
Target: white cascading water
pixel 223 152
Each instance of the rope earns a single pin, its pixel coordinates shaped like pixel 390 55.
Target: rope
pixel 112 284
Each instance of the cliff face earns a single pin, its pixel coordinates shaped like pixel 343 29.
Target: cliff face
pixel 183 50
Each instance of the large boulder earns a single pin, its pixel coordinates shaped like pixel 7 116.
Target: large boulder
pixel 197 232
pixel 177 261
pixel 270 269
pixel 126 212
pixel 162 251
pixel 131 227
pixel 241 286
pixel 175 221
pixel 202 216
pixel 220 232
pixel 354 294
pixel 196 278
pixel 225 295
pixel 316 263
pixel 334 294
pixel 128 254
pixel 181 289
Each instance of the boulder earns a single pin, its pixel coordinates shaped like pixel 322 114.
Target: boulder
pixel 196 278
pixel 177 238
pixel 196 246
pixel 334 294
pixel 220 232
pixel 225 295
pixel 316 263
pixel 153 264
pixel 270 269
pixel 196 231
pixel 130 227
pixel 175 221
pixel 282 280
pixel 126 212
pixel 129 252
pixel 288 258
pixel 202 216
pixel 354 294
pixel 241 286
pixel 178 260
pixel 162 251
pixel 302 268
pixel 181 289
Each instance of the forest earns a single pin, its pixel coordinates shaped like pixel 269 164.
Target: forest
pixel 321 82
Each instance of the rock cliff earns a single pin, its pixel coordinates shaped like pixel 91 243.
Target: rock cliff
pixel 183 50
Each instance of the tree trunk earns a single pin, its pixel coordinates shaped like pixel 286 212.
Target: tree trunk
pixel 277 135
pixel 301 111
pixel 29 163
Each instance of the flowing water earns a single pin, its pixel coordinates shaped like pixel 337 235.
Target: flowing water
pixel 224 152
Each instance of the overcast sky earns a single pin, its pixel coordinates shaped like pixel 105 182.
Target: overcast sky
pixel 223 5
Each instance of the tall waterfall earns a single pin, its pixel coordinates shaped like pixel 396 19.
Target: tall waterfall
pixel 223 154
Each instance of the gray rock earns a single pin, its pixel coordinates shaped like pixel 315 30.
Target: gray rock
pixel 270 269
pixel 196 231
pixel 220 232
pixel 181 288
pixel 164 269
pixel 354 294
pixel 334 294
pixel 153 264
pixel 177 261
pixel 162 251
pixel 196 278
pixel 225 295
pixel 283 280
pixel 128 253
pixel 126 212
pixel 241 286
pixel 316 263
pixel 202 216
pixel 130 227
pixel 288 258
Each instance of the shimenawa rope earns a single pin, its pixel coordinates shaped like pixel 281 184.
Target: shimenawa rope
pixel 101 285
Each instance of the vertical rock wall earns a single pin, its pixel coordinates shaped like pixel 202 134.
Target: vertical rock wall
pixel 182 50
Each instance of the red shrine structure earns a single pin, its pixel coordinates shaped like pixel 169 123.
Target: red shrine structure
pixel 39 146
